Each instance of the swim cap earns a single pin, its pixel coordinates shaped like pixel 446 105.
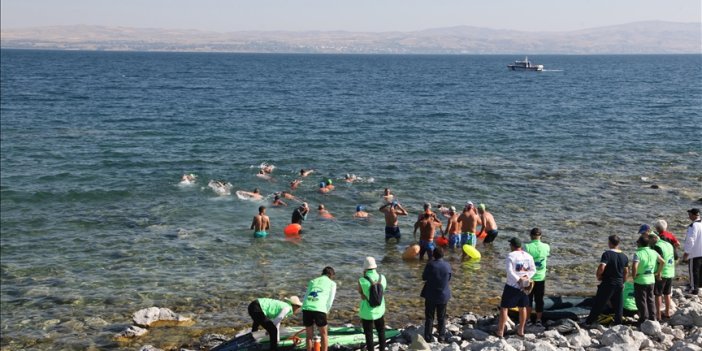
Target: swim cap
pixel 482 207
pixel 359 208
pixel 329 181
pixel 452 209
pixel 322 185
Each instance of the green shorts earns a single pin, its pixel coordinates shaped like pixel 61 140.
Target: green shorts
pixel 260 234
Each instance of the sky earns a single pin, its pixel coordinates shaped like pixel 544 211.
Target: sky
pixel 346 15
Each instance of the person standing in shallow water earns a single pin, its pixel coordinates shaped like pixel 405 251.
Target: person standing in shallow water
pixel 436 293
pixel 261 223
pixel 392 212
pixel 489 224
pixel 611 273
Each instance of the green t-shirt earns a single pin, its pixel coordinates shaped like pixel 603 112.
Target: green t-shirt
pixel 540 252
pixel 366 311
pixel 669 258
pixel 628 297
pixel 272 308
pixel 647 264
pixel 320 294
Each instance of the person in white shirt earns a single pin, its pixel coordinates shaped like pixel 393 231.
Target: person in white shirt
pixel 520 268
pixel 693 250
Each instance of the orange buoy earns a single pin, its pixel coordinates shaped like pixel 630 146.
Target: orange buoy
pixel 292 229
pixel 442 241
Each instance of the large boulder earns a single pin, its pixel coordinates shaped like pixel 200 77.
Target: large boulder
pixel 153 316
pixel 684 346
pixel 579 339
pixel 689 313
pixel 623 335
pixel 651 328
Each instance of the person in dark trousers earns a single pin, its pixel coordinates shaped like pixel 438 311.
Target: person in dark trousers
pixel 611 273
pixel 646 267
pixel 436 293
pixel 371 315
pixel 269 313
pixel 693 250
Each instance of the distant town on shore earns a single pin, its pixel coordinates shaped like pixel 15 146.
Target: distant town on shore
pixel 653 37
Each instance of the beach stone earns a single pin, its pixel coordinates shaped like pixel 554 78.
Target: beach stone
pixel 579 339
pixel 623 335
pixel 469 319
pixel 651 328
pixel 618 347
pixel 452 347
pixel 534 329
pixel 95 322
pixel 688 313
pixel 211 341
pixel 555 338
pixel 684 346
pixel 497 345
pixel 455 338
pixel 395 347
pixel 410 332
pixel 419 344
pixel 567 326
pixel 453 328
pixel 474 334
pixel 539 346
pixel 516 344
pixel 695 337
pixel 154 315
pixel 149 348
pixel 132 332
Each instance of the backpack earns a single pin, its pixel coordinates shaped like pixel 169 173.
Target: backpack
pixel 375 292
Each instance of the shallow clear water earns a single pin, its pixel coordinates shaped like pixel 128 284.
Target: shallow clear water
pixel 95 225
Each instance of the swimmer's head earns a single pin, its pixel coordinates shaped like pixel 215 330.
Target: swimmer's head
pixel 481 207
pixel 427 206
pixel 322 184
pixel 256 191
pixel 452 209
pixel 321 207
pixel 304 205
pixel 276 197
pixel 359 208
pixel 262 209
pixel 469 205
pixel 329 181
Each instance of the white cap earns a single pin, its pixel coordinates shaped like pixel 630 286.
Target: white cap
pixel 661 224
pixel 369 263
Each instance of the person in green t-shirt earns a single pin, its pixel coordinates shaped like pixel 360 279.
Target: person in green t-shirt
pixel 645 275
pixel 372 316
pixel 540 252
pixel 318 301
pixel 663 286
pixel 629 299
pixel 269 313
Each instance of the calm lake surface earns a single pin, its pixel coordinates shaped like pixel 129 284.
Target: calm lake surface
pixel 95 225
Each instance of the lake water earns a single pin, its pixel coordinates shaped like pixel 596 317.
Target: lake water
pixel 95 226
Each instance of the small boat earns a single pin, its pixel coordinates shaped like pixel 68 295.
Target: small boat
pixel 525 66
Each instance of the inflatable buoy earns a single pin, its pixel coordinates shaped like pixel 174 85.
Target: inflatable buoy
pixel 442 241
pixel 471 252
pixel 482 235
pixel 411 252
pixel 292 229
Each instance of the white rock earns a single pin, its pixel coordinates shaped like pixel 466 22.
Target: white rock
pixel 452 347
pixel 454 329
pixel 683 346
pixel 469 334
pixel 516 344
pixel 499 345
pixel 651 328
pixel 132 332
pixel 395 347
pixel 623 335
pixel 148 316
pixel 410 331
pixel 469 319
pixel 149 348
pixel 419 344
pixel 579 339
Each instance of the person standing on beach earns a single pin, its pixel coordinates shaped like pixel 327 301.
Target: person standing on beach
pixel 646 268
pixel 372 315
pixel 469 221
pixel 392 212
pixel 261 223
pixel 489 225
pixel 427 227
pixel 317 304
pixel 453 229
pixel 693 250
pixel 300 213
pixel 540 252
pixel 661 227
pixel 611 272
pixel 269 313
pixel 436 293
pixel 520 268
pixel 663 287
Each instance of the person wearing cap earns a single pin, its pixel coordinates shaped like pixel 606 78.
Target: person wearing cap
pixel 693 250
pixel 269 313
pixel 361 212
pixel 520 269
pixel 323 212
pixel 436 293
pixel 392 212
pixel 540 252
pixel 663 287
pixel 300 213
pixel 661 227
pixel 644 229
pixel 317 304
pixel 646 268
pixel 469 221
pixel 261 223
pixel 489 224
pixel 453 229
pixel 611 272
pixel 372 316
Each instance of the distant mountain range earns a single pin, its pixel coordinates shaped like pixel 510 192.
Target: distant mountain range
pixel 632 38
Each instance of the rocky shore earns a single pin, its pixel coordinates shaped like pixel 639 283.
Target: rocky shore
pixel 682 332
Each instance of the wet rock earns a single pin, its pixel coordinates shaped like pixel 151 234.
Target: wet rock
pixel 651 328
pixel 684 346
pixel 695 337
pixel 149 348
pixel 419 344
pixel 581 338
pixel 474 334
pixel 556 338
pixel 210 341
pixel 159 316
pixel 623 335
pixel 95 322
pixel 132 332
pixel 534 329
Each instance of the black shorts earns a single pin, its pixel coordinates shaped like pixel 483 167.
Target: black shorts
pixel 663 287
pixel 513 297
pixel 392 232
pixel 314 317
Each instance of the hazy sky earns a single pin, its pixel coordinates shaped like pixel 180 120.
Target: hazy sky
pixel 351 15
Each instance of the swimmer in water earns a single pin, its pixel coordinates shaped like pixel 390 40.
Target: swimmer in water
pixel 322 211
pixel 277 202
pixel 262 174
pixel 295 183
pixel 305 172
pixel 328 184
pixel 360 212
pixel 221 187
pixel 323 188
pixel 267 169
pixel 350 178
pixel 289 196
pixel 261 223
pixel 256 194
pixel 188 178
pixel 389 197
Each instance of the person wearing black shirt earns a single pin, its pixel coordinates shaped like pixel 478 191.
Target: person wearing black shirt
pixel 611 273
pixel 300 213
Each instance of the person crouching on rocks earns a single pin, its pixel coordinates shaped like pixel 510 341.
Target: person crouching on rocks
pixel 269 313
